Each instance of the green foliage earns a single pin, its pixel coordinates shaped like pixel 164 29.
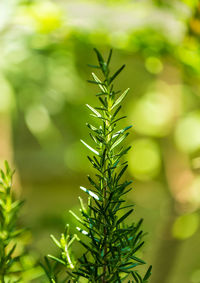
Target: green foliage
pixel 111 245
pixel 10 268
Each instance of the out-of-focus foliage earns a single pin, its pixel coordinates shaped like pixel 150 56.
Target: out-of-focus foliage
pixel 45 46
pixel 15 263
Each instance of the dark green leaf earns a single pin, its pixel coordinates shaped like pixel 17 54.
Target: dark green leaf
pixel 99 56
pixel 109 57
pixel 121 173
pixel 148 274
pixel 116 73
pixel 124 217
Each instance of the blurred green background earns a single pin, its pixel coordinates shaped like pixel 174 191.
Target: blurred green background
pixel 45 47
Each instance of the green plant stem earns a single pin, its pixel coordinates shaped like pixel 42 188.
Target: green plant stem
pixel 105 188
pixel 105 248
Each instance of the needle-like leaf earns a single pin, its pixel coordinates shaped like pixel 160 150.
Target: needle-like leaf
pixel 90 148
pixel 119 100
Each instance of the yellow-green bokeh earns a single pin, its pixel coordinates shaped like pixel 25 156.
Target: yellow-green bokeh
pixel 185 226
pixel 145 159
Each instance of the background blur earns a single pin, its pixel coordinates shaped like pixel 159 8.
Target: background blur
pixel 45 47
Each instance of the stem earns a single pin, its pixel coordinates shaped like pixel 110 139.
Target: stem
pixel 105 234
pixel 108 122
pixel 68 258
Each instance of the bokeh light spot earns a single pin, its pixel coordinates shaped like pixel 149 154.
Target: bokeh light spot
pixel 37 119
pixel 185 226
pixel 187 134
pixel 144 159
pixel 153 65
pixel 47 16
pixel 153 114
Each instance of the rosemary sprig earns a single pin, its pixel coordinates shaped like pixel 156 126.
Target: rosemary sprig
pixel 110 244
